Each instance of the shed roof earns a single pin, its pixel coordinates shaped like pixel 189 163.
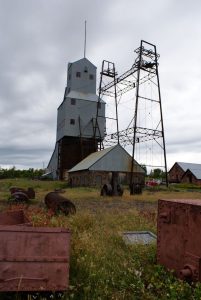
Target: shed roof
pixel 190 166
pixel 112 159
pixel 84 59
pixel 195 172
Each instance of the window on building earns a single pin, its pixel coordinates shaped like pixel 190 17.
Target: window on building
pixel 72 121
pixel 72 101
pixel 91 76
pixel 78 74
pixel 99 105
pixel 85 70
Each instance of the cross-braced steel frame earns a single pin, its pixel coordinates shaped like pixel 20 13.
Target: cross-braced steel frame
pixel 108 71
pixel 143 71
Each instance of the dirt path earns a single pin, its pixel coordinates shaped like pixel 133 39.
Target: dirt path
pixel 114 203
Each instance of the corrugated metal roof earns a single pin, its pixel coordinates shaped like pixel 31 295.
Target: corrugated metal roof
pixel 84 96
pixel 87 162
pixel 116 158
pixel 196 172
pixel 84 59
pixel 189 166
pixel 194 168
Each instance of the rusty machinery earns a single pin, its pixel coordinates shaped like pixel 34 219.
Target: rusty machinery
pixel 114 188
pixel 58 203
pixel 143 76
pixel 21 195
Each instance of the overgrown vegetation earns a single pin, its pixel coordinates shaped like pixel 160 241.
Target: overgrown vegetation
pixel 17 173
pixel 102 266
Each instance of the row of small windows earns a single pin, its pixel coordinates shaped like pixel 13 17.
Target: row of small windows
pixel 78 75
pixel 73 102
pixel 72 121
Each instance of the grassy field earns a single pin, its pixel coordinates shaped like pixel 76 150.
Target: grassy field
pixel 102 266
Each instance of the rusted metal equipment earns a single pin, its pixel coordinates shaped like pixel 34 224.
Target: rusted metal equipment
pixel 34 259
pixel 58 203
pixel 21 195
pixel 107 190
pixel 16 217
pixel 114 188
pixel 178 237
pixel 136 188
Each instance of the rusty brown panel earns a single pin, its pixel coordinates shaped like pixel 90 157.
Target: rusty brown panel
pixel 34 259
pixel 178 237
pixel 16 217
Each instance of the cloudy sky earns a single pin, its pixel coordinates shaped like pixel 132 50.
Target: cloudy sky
pixel 39 37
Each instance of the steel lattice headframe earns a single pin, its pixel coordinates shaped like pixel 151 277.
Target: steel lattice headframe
pixel 144 78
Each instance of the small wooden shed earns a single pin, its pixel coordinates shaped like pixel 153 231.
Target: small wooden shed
pixel 96 169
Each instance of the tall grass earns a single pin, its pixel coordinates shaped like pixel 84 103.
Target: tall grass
pixel 102 265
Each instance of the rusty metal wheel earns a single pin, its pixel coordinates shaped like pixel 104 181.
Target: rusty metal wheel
pixel 19 197
pixel 67 207
pixel 106 190
pixel 120 190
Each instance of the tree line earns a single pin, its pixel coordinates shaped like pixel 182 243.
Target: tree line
pixel 15 173
pixel 154 173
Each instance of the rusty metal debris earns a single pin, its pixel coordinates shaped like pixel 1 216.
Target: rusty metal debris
pixel 21 195
pixel 15 217
pixel 178 237
pixel 114 188
pixel 34 259
pixel 107 190
pixel 58 203
pixel 136 188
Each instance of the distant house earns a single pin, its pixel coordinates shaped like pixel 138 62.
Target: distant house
pixel 96 169
pixel 185 173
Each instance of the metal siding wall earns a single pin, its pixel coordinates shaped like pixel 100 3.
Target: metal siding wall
pixel 84 109
pixel 53 164
pixel 83 84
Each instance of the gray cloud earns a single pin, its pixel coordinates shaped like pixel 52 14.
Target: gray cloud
pixel 38 38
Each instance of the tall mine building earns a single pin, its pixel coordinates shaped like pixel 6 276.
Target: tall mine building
pixel 78 133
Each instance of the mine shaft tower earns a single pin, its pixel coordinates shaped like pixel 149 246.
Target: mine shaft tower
pixel 146 128
pixel 76 116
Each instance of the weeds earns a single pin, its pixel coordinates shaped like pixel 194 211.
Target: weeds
pixel 102 266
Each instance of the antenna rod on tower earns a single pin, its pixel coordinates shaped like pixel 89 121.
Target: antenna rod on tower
pixel 85 38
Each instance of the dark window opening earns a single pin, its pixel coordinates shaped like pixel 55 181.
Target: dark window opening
pixel 85 70
pixel 91 76
pixel 78 74
pixel 99 105
pixel 72 121
pixel 72 101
